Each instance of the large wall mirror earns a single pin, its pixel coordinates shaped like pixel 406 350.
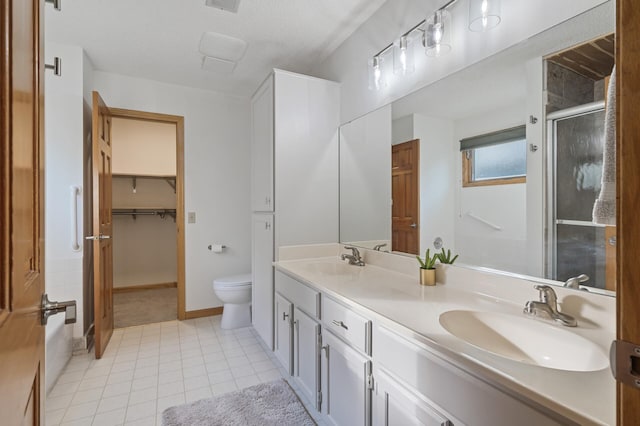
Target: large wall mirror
pixel 517 193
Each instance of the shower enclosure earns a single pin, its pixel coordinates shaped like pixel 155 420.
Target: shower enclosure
pixel 576 245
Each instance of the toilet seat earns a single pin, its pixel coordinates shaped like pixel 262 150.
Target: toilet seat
pixel 235 281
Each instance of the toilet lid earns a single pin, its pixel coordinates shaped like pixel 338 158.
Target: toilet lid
pixel 233 281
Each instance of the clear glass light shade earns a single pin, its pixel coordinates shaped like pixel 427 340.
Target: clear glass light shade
pixel 376 76
pixel 437 34
pixel 403 62
pixel 483 14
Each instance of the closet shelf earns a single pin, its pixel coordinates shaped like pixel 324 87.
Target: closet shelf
pixel 162 213
pixel 171 180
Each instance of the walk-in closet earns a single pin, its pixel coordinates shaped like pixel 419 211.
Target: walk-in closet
pixel 145 259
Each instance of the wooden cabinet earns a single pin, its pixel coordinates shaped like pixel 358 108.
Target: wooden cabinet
pixel 262 277
pixel 283 328
pixel 346 378
pixel 306 355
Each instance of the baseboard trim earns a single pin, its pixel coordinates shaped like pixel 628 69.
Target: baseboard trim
pixel 144 287
pixel 203 313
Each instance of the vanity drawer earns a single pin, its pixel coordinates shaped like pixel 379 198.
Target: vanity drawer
pixel 345 323
pixel 302 296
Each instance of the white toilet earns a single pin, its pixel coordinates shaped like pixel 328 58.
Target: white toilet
pixel 235 293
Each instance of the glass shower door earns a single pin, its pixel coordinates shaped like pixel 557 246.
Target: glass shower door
pixel 577 244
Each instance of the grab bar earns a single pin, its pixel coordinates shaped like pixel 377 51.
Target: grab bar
pixel 75 193
pixel 486 222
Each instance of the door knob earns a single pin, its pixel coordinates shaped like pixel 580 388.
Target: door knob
pixel 414 225
pixel 49 308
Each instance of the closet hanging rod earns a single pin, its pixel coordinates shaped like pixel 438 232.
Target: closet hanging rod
pixel 144 212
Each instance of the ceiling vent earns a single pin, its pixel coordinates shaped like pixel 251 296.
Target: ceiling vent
pixel 221 52
pixel 228 5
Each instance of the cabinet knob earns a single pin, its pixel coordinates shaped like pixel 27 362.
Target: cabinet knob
pixel 285 316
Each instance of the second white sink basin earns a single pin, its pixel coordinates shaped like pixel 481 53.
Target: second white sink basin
pixel 525 340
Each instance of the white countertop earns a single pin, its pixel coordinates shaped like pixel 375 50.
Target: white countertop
pixel 398 300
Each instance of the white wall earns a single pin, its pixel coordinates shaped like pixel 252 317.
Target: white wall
pixel 365 178
pixel 142 147
pixel 437 180
pixel 348 64
pixel 63 169
pixel 402 129
pixel 217 173
pixel 502 205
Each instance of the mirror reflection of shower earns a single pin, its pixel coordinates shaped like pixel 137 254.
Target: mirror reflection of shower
pixel 577 245
pixel 576 82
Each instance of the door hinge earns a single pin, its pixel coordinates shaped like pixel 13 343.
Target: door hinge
pixel 319 400
pixel 370 382
pixel 625 362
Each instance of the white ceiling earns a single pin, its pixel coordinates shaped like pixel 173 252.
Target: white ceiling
pixel 158 39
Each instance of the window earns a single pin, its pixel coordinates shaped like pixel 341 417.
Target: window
pixel 496 158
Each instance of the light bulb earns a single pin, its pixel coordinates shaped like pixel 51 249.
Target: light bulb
pixel 403 61
pixel 484 7
pixel 483 14
pixel 376 77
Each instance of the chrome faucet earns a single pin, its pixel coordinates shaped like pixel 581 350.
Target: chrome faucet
pixel 379 246
pixel 547 307
pixel 574 282
pixel 354 258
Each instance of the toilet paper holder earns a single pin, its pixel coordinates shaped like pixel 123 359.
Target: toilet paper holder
pixel 210 247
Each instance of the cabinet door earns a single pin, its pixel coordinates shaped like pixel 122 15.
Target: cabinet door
pixel 393 404
pixel 345 393
pixel 283 322
pixel 262 277
pixel 262 148
pixel 306 355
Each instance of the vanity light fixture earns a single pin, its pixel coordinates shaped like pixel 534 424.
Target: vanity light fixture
pixel 483 14
pixel 403 61
pixel 436 38
pixel 437 33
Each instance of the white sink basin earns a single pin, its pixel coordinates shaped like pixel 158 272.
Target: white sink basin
pixel 332 268
pixel 525 340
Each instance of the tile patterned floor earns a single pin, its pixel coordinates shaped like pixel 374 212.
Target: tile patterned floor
pixel 149 368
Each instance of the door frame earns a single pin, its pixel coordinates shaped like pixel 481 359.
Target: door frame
pixel 628 201
pixel 180 226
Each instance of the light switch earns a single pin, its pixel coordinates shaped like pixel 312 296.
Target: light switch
pixel 191 217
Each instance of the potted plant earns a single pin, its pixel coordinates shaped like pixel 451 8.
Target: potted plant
pixel 428 268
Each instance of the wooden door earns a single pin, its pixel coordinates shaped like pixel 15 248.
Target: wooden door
pixel 628 174
pixel 405 192
pixel 21 213
pixel 102 226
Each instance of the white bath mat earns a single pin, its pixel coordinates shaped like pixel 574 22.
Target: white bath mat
pixel 272 403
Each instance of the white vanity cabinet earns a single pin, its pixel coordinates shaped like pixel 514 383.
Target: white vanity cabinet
pixel 283 336
pixel 294 158
pixel 346 366
pixel 432 388
pixel 346 394
pixel 306 332
pixel 306 355
pixel 395 404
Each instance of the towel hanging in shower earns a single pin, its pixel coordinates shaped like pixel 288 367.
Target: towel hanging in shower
pixel 604 209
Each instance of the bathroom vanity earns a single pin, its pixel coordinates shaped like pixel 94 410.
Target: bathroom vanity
pixel 369 345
